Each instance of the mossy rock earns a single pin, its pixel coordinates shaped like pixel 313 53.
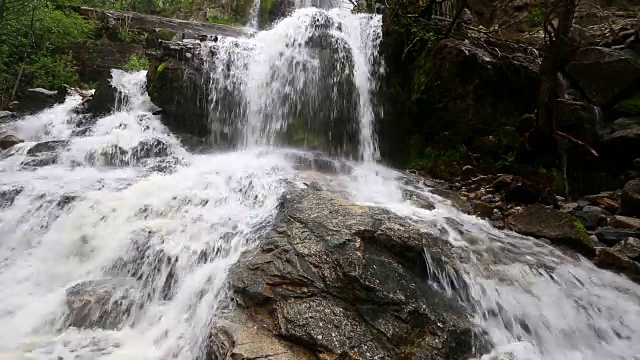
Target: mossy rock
pixel 166 35
pixel 561 229
pixel 629 106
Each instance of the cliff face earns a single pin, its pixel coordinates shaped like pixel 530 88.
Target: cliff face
pixel 470 99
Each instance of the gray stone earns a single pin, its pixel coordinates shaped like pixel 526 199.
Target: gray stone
pixel 456 199
pixel 612 236
pixel 592 217
pixel 603 74
pixel 626 123
pixel 8 140
pixel 350 282
pixel 625 222
pixel 629 247
pixel 630 200
pixel 104 303
pixel 6 115
pixel 46 147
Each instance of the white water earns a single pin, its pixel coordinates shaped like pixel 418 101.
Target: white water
pixel 197 216
pixel 314 69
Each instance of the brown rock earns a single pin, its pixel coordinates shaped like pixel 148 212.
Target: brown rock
pixel 629 248
pixel 610 259
pixel 560 228
pixel 483 209
pixel 630 200
pixel 625 222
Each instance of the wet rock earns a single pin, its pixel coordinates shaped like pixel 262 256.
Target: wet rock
pixel 579 119
pixel 236 340
pixel 611 236
pixel 8 140
pixel 46 147
pixel 419 200
pixel 629 247
pixel 40 161
pixel 456 199
pixel 626 123
pixel 104 303
pixel 347 281
pixel 150 148
pixel 8 195
pixel 625 222
pixel 6 116
pixel 502 182
pixel 592 217
pixel 112 155
pixel 558 227
pixel 630 199
pixel 320 163
pixel 483 209
pixel 603 74
pixel 39 99
pixel 610 259
pixel 103 100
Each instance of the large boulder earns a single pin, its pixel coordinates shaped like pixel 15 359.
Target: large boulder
pixel 604 74
pixel 177 87
pixel 104 303
pixel 560 228
pixel 630 200
pixel 345 281
pixel 613 260
pixel 39 99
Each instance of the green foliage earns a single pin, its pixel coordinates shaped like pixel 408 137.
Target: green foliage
pixel 136 63
pixel 125 35
pixel 32 35
pixel 630 106
pixel 508 163
pixel 536 16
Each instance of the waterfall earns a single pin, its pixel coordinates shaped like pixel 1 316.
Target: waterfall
pixel 308 79
pixel 118 200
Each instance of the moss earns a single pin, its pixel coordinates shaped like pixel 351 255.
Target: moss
pixel 166 35
pixel 630 106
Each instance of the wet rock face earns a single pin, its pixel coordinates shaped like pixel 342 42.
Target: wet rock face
pixel 8 195
pixel 103 303
pixel 349 281
pixel 604 73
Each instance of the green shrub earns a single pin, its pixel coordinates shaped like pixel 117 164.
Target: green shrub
pixel 136 63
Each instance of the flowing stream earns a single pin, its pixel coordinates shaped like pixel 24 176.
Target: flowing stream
pixel 120 198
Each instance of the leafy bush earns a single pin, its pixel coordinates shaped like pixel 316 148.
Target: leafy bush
pixel 136 63
pixel 32 33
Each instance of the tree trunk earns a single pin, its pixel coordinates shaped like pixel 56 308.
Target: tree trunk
pixel 542 139
pixel 148 6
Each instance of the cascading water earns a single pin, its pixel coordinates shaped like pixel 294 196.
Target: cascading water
pixel 307 81
pixel 120 200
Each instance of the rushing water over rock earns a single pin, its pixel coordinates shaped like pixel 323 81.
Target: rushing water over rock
pixel 307 82
pixel 115 242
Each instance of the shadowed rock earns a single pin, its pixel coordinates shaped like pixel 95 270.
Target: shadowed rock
pixel 350 282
